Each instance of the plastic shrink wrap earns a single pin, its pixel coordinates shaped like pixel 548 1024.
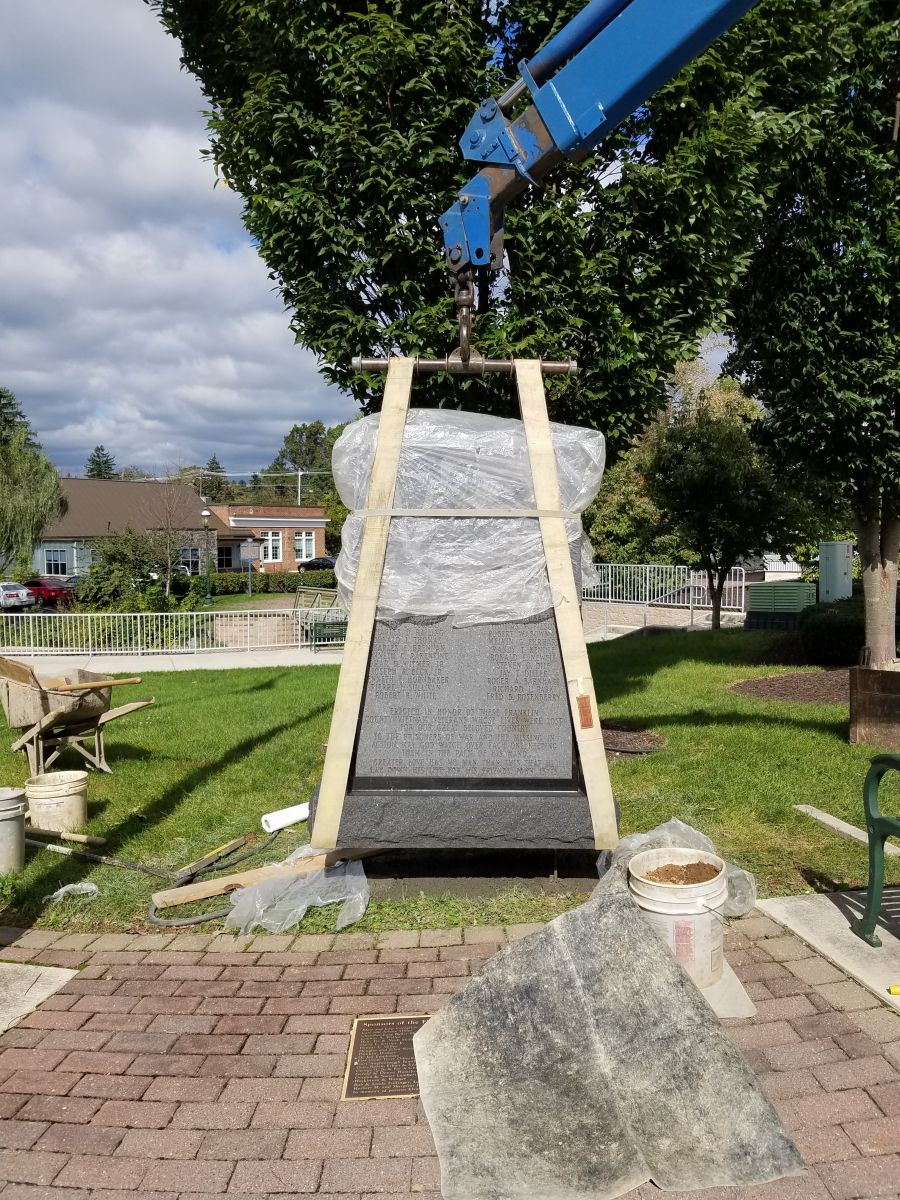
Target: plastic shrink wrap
pixel 475 570
pixel 741 897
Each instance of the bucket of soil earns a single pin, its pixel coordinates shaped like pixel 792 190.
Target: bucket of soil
pixel 680 892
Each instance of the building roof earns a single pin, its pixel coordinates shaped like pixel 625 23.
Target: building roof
pixel 100 507
pixel 266 510
pixel 240 519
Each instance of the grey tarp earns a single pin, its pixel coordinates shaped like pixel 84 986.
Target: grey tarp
pixel 582 1062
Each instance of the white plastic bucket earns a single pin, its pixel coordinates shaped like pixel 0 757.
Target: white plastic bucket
pixel 683 915
pixel 12 830
pixel 58 800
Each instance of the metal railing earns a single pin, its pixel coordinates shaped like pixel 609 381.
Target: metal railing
pixel 63 633
pixel 168 633
pixel 660 585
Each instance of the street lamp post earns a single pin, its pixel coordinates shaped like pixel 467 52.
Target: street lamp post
pixel 206 515
pixel 249 544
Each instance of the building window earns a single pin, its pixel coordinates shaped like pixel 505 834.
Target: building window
pixel 190 558
pixel 225 558
pixel 271 546
pixel 56 562
pixel 305 545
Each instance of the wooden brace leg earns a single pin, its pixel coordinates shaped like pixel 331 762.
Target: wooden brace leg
pixel 363 610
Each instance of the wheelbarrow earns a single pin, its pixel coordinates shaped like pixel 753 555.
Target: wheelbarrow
pixel 65 710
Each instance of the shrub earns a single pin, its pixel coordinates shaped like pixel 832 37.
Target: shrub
pixel 319 579
pixel 832 635
pixel 233 583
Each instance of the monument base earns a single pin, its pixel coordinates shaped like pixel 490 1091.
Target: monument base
pixel 492 818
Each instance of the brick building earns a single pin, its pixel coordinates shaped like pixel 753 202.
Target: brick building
pixel 286 534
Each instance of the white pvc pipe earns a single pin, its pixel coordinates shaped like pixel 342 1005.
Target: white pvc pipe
pixel 285 817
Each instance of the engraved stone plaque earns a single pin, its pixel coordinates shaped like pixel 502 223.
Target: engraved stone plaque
pixel 381 1062
pixel 465 740
pixel 483 703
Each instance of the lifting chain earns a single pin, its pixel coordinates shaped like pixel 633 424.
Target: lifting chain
pixel 464 298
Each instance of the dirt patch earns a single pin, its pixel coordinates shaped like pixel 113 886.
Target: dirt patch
pixel 800 687
pixel 695 872
pixel 620 741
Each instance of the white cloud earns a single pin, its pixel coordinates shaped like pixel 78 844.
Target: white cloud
pixel 134 310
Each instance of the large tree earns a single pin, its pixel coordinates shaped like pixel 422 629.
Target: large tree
pixel 816 315
pixel 713 488
pixel 307 450
pixel 100 464
pixel 774 150
pixel 12 419
pixel 30 498
pixel 215 483
pixel 624 525
pixel 339 127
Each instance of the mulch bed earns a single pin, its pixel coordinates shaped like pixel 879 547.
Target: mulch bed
pixel 800 687
pixel 620 741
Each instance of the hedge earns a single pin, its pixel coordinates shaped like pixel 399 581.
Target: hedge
pixel 234 583
pixel 832 635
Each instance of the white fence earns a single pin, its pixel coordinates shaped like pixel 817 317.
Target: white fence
pixel 169 633
pixel 647 584
pixel 656 584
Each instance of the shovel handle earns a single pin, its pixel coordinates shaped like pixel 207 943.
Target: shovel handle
pixel 94 686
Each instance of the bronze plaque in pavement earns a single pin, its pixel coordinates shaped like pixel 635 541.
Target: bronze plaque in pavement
pixel 381 1063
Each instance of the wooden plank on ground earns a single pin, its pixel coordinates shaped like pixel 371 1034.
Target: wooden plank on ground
pixel 218 885
pixel 363 610
pixel 564 594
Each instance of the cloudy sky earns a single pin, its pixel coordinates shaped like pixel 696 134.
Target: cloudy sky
pixel 133 309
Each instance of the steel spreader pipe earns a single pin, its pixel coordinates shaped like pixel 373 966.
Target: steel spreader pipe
pixel 455 366
pixel 575 36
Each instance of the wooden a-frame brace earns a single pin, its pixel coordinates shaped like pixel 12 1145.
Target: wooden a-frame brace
pixel 563 591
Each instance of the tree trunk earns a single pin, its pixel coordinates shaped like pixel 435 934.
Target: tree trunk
pixel 715 585
pixel 878 545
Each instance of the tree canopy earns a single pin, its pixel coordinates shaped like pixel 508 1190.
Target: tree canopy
pixel 714 490
pixel 13 419
pixel 339 128
pixel 815 315
pixel 100 464
pixel 307 449
pixel 30 498
pixel 215 485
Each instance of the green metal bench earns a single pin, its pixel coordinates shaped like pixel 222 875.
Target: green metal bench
pixel 325 632
pixel 879 828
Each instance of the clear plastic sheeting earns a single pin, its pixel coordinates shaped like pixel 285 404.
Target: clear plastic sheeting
pixel 476 570
pixel 741 896
pixel 277 905
pixel 86 891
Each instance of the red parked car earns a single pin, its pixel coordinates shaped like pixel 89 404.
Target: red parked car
pixel 49 591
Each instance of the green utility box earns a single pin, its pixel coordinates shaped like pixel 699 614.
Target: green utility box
pixel 777 605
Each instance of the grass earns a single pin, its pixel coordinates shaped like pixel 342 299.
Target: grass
pixel 734 766
pixel 257 600
pixel 222 747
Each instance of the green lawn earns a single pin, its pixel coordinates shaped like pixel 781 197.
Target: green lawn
pixel 221 747
pixel 257 600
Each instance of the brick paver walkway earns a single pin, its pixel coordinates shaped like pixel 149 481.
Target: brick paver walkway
pixel 193 1066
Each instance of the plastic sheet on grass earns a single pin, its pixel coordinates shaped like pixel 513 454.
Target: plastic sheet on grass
pixel 475 570
pixel 86 891
pixel 277 905
pixel 741 884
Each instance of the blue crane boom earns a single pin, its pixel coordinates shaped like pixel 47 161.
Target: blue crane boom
pixel 597 70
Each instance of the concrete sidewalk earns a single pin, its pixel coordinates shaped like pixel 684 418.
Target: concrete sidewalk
pixel 185 1066
pixel 212 660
